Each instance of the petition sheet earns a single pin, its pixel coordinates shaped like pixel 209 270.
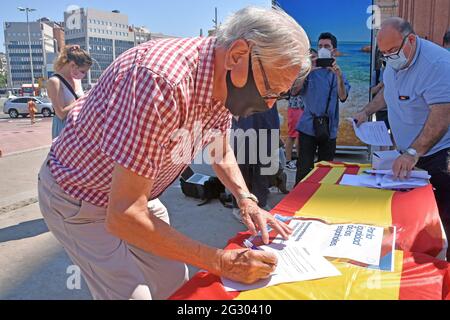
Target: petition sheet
pixel 373 133
pixel 295 264
pixel 361 243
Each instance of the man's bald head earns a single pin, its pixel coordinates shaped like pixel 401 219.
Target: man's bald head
pixel 397 24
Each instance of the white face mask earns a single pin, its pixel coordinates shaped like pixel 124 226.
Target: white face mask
pixel 324 53
pixel 399 63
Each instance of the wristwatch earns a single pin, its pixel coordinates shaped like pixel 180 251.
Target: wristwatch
pixel 412 152
pixel 251 196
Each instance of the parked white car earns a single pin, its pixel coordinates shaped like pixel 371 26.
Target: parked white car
pixel 19 106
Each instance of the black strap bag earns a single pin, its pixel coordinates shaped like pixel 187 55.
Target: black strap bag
pixel 322 123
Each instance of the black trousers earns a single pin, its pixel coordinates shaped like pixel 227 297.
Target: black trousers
pixel 257 183
pixel 438 166
pixel 309 147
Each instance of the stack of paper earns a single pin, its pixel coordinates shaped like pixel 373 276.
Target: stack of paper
pixel 384 179
pixel 384 160
pixel 417 174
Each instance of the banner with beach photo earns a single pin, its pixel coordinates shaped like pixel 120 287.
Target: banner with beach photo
pixel 348 21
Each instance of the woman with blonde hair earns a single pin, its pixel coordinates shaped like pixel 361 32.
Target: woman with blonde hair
pixel 64 87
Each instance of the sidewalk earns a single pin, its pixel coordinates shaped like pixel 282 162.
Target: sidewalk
pixel 18 135
pixel 18 177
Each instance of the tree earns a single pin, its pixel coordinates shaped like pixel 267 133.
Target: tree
pixel 3 81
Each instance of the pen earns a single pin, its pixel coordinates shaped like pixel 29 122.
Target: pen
pixel 250 245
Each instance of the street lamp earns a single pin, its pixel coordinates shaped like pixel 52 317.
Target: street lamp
pixel 27 11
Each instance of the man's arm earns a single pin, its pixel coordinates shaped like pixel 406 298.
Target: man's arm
pixel 225 165
pixel 434 130
pixel 342 89
pixel 377 104
pixel 129 219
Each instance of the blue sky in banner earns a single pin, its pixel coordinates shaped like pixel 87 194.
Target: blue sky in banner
pixel 345 18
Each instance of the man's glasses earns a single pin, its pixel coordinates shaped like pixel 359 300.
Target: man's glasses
pixel 395 56
pixel 270 94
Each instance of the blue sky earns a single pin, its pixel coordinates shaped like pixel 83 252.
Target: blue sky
pixel 176 17
pixel 344 18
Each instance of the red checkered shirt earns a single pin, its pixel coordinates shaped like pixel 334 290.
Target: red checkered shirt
pixel 153 105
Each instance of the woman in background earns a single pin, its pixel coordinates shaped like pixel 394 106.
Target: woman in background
pixel 65 87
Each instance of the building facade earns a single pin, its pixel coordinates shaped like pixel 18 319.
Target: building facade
pixel 389 8
pixel 58 33
pixel 141 35
pixel 18 53
pixel 430 18
pixel 104 35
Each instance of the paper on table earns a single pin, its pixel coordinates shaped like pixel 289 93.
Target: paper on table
pixel 295 264
pixel 363 180
pixel 414 174
pixel 361 243
pixel 373 133
pixel 382 182
pixel 388 182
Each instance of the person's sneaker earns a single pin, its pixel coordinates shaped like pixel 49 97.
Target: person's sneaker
pixel 291 165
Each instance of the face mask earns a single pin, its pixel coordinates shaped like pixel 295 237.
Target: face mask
pixel 245 101
pixel 77 75
pixel 399 63
pixel 324 53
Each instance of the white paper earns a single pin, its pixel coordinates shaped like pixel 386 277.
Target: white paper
pixel 363 180
pixel 295 264
pixel 355 242
pixel 388 182
pixel 414 174
pixel 383 182
pixel 361 243
pixel 384 160
pixel 373 133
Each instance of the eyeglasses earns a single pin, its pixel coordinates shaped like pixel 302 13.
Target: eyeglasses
pixel 270 94
pixel 395 56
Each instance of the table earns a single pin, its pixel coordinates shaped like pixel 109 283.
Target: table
pixel 420 270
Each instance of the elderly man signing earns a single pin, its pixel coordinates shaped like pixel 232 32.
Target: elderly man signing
pixel 417 94
pixel 119 150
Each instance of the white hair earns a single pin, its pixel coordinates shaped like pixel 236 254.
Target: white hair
pixel 276 37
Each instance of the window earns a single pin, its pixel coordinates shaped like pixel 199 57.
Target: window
pixel 20 100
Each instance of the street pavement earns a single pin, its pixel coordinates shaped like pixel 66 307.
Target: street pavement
pixel 19 135
pixel 34 266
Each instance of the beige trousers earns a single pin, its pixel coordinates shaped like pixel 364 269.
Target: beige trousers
pixel 113 269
